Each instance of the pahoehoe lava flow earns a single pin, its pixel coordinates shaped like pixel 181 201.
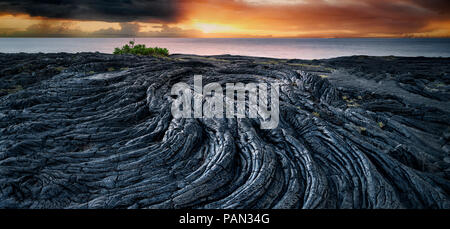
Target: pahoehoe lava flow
pixel 92 130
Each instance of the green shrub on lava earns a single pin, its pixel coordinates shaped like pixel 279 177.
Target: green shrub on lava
pixel 141 49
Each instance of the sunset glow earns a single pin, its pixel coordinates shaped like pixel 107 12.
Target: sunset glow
pixel 214 28
pixel 238 18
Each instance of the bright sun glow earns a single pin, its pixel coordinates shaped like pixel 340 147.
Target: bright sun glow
pixel 214 28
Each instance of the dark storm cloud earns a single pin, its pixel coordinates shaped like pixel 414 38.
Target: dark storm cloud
pixel 100 10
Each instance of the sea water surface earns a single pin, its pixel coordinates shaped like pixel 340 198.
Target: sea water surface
pixel 276 48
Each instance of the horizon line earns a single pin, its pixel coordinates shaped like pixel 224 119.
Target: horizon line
pixel 405 37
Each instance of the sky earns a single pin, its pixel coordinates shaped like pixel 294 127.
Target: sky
pixel 225 18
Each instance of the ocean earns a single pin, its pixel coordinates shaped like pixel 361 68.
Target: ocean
pixel 275 48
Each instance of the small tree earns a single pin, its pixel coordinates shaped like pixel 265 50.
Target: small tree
pixel 141 49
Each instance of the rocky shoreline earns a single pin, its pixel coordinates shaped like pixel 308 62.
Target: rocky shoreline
pixel 93 130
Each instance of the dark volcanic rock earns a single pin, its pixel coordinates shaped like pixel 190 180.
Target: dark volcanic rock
pixel 95 131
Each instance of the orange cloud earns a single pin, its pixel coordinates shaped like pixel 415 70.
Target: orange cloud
pixel 309 18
